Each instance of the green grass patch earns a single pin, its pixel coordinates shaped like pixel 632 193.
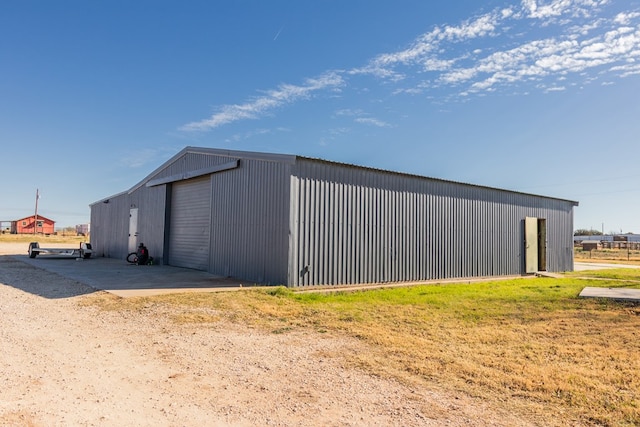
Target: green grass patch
pixel 626 274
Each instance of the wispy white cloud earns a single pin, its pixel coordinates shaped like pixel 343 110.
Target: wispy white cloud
pixel 630 69
pixel 626 18
pixel 362 117
pixel 458 57
pixel 255 132
pixel 258 107
pixel 549 57
pixel 351 112
pixel 555 89
pixel 543 10
pixel 424 49
pixel 135 159
pixel 538 42
pixel 373 122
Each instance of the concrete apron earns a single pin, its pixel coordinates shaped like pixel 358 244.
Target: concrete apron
pixel 128 280
pixel 621 294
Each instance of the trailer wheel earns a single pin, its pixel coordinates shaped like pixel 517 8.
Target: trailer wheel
pixel 84 247
pixel 32 253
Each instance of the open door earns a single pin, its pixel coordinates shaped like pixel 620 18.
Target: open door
pixel 542 244
pixel 531 244
pixel 535 240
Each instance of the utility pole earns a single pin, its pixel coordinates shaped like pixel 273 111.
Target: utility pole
pixel 35 222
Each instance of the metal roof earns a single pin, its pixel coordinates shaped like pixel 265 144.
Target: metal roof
pixel 575 203
pixel 291 159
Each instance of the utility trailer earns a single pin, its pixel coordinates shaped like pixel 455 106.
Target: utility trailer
pixel 83 251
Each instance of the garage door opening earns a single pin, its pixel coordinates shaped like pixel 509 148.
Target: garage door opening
pixel 190 223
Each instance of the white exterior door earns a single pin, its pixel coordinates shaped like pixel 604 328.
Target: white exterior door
pixel 133 229
pixel 535 232
pixel 531 244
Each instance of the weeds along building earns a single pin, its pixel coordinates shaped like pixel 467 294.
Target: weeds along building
pixel 297 221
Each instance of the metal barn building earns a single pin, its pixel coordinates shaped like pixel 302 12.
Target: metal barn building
pixel 297 221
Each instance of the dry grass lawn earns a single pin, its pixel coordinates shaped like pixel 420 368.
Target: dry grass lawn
pixel 528 345
pixel 608 255
pixel 43 239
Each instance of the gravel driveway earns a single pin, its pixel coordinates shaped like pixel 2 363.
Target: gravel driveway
pixel 64 362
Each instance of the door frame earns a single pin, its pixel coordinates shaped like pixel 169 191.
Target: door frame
pixel 133 229
pixel 535 244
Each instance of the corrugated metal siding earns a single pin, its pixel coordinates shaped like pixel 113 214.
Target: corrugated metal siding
pixel 249 234
pixel 110 227
pixel 316 222
pixel 151 218
pixel 352 225
pixel 249 221
pixel 190 220
pixel 191 162
pixel 110 222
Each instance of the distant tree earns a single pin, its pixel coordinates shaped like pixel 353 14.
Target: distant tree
pixel 585 232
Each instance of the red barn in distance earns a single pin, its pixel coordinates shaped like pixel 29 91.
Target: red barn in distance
pixel 28 225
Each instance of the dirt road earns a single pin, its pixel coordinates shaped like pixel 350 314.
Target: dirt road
pixel 65 363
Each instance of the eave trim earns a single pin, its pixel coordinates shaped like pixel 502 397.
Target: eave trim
pixel 193 174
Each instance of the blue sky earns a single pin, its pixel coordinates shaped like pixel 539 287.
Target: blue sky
pixel 534 96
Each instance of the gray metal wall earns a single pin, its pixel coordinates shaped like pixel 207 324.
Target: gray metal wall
pixel 249 234
pixel 188 162
pixel 296 221
pixel 250 221
pixel 354 225
pixel 110 222
pixel 110 226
